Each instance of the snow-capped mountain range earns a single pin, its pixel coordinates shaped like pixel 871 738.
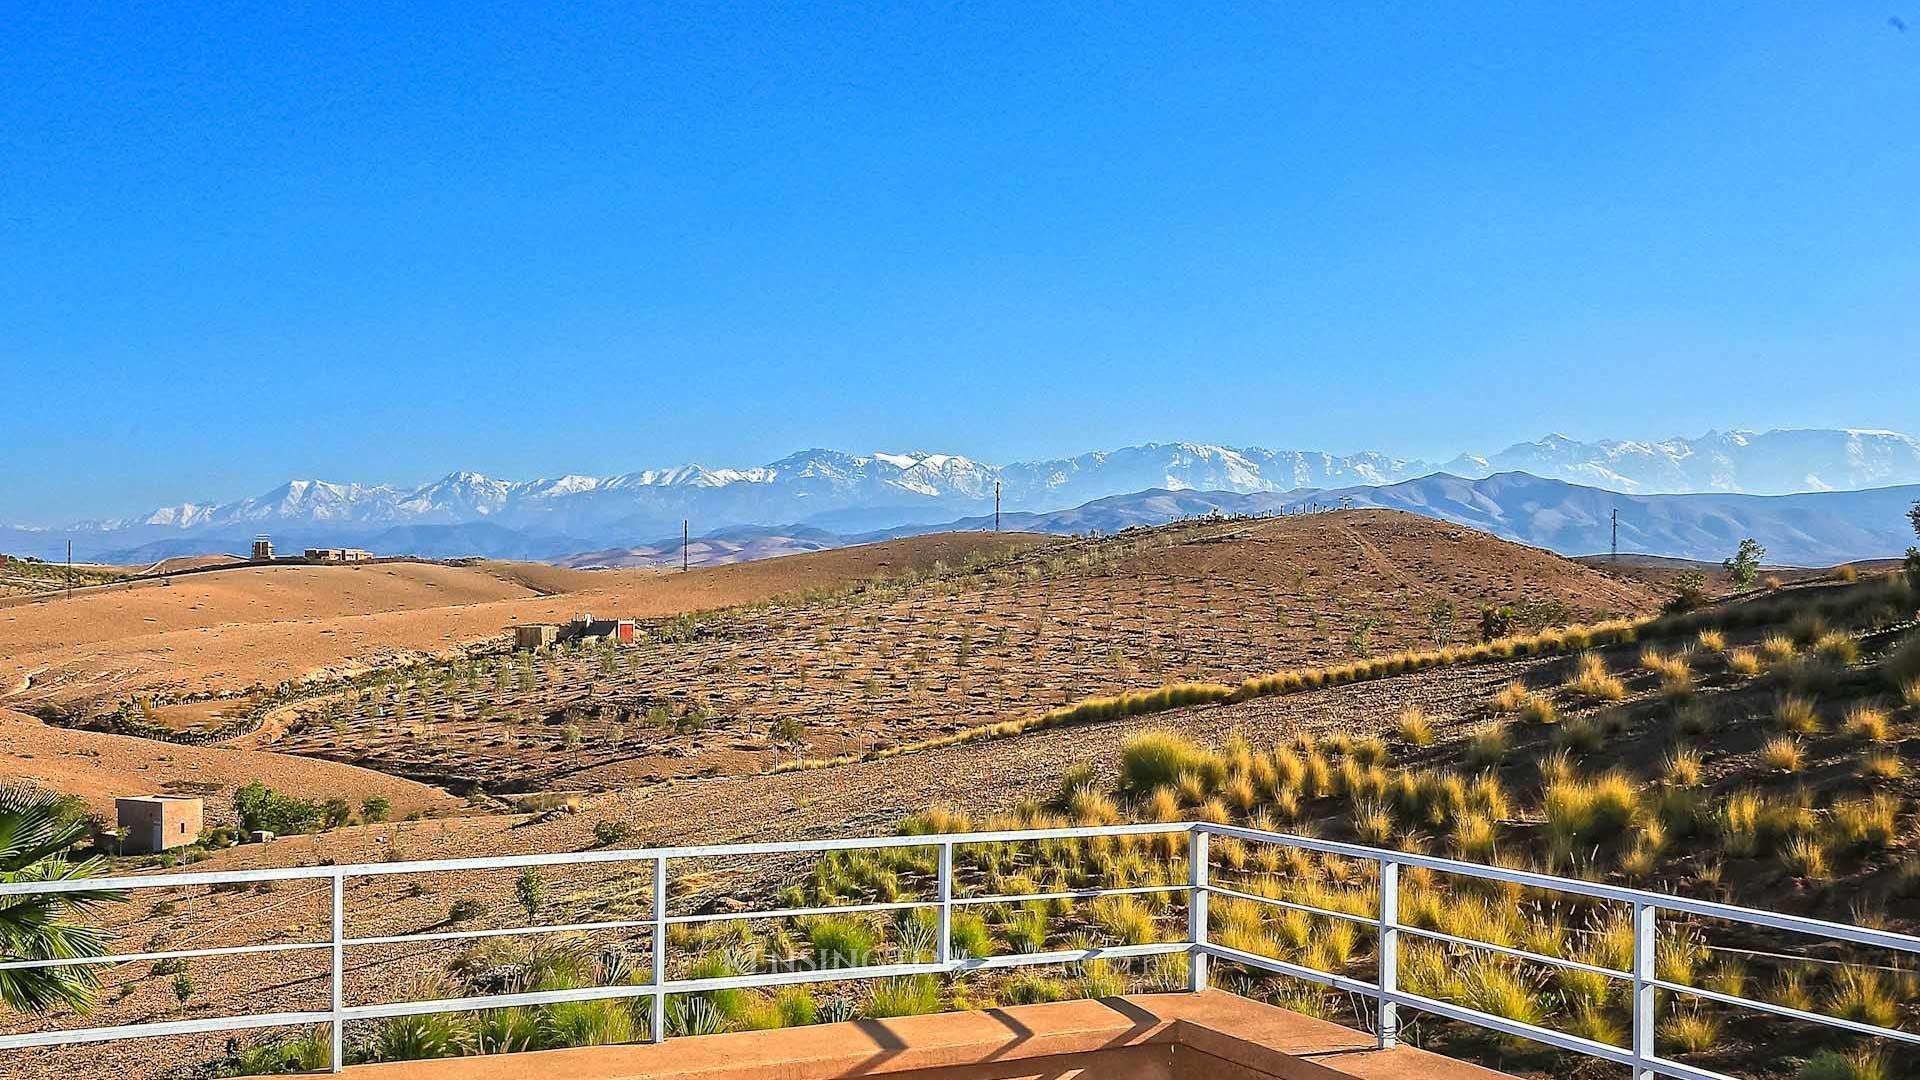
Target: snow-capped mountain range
pixel 852 492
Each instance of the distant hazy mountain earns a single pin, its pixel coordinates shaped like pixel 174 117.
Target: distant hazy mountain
pixel 1810 529
pixel 1754 463
pixel 853 494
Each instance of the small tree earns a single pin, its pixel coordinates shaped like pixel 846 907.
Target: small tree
pixel 1744 568
pixel 1913 553
pixel 183 986
pixel 789 731
pixel 260 807
pixel 375 809
pixel 1689 591
pixel 530 891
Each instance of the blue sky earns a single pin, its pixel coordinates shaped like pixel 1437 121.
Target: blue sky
pixel 383 243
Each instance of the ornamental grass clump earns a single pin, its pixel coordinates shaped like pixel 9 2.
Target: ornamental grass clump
pixel 1592 681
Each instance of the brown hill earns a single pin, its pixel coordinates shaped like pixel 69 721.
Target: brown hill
pixel 98 767
pixel 228 630
pixel 859 671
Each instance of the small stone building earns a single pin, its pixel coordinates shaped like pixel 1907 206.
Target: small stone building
pixel 535 636
pixel 158 822
pixel 338 555
pixel 588 628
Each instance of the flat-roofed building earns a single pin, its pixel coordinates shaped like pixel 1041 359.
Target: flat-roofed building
pixel 153 823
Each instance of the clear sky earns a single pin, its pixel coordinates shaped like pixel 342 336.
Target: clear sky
pixel 380 242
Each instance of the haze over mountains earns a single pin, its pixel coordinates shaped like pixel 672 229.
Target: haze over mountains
pixel 1807 529
pixel 822 497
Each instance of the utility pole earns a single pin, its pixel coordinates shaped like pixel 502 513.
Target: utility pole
pixel 1616 536
pixel 69 568
pixel 685 538
pixel 996 506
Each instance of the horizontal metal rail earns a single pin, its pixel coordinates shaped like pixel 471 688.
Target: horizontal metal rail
pixel 1384 991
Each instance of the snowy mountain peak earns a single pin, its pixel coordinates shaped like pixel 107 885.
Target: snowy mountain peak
pixel 884 488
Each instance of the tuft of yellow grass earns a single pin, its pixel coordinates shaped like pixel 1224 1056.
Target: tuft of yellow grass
pixel 1804 857
pixel 1373 823
pixel 1782 752
pixel 1862 995
pixel 1693 1031
pixel 1591 680
pixel 1414 726
pixel 1683 766
pixel 1743 662
pixel 1777 648
pixel 1864 721
pixel 1837 647
pixel 1882 765
pixel 1539 710
pixel 1511 697
pixel 1591 809
pixel 1487 747
pixel 1865 823
pixel 1713 641
pixel 1792 712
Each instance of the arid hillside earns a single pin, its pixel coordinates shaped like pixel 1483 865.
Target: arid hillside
pixel 21 579
pixel 229 630
pixel 98 767
pixel 870 668
pixel 1655 761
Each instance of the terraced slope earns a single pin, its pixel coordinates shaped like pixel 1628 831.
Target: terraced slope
pixel 860 670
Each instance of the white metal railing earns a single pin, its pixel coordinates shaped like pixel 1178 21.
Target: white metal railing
pixel 1387 997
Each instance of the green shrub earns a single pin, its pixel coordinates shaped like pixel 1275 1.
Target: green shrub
pixel 1902 665
pixel 260 807
pixel 1028 988
pixel 908 995
pixel 413 1038
pixel 506 1031
pixel 1027 930
pixel 336 812
pixel 587 1023
pixel 970 936
pixel 1155 758
pixel 842 941
pixel 1833 1065
pixel 311 1052
pixel 607 833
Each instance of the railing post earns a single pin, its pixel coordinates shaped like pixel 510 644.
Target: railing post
pixel 338 995
pixel 1197 909
pixel 944 930
pixel 1389 976
pixel 1644 939
pixel 659 1025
